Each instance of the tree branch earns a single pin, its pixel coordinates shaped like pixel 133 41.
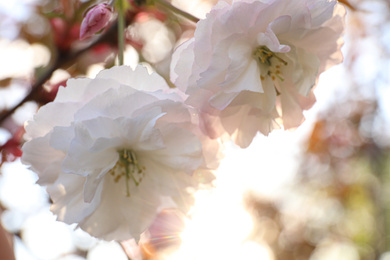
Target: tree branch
pixel 62 59
pixel 176 10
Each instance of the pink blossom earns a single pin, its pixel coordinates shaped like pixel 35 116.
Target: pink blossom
pixel 115 150
pixel 96 19
pixel 252 65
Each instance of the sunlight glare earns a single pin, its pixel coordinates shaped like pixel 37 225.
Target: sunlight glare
pixel 220 226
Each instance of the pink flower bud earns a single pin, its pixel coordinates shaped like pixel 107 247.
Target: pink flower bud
pixel 96 19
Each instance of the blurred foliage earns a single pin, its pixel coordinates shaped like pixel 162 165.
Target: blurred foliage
pixel 341 193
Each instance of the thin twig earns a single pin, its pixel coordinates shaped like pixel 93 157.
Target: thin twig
pixel 348 4
pixel 177 10
pixel 121 31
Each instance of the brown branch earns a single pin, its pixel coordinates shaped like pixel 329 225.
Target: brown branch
pixel 176 10
pixel 62 60
pixel 348 4
pixel 6 243
pixel 34 89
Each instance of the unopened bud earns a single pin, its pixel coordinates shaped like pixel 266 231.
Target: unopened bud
pixel 96 19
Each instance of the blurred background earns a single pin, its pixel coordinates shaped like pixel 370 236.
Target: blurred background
pixel 320 192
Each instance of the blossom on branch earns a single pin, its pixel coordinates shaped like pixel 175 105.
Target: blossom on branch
pixel 114 150
pixel 252 65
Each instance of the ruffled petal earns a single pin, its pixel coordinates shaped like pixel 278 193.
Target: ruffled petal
pixel 180 68
pixel 135 79
pixel 37 153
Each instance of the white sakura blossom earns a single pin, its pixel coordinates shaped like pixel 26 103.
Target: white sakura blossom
pixel 252 64
pixel 114 150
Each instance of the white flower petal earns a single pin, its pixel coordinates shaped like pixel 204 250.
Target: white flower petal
pixel 281 24
pixel 221 100
pixel 270 40
pixel 249 79
pixel 183 149
pixel 74 93
pixel 61 114
pixel 37 153
pixel 261 55
pixel 68 202
pixel 91 186
pixel 113 151
pixel 61 137
pixel 182 57
pixel 135 80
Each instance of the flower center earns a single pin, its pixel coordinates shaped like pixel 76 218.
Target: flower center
pixel 271 60
pixel 128 166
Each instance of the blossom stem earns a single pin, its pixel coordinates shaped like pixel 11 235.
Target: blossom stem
pixel 121 31
pixel 176 10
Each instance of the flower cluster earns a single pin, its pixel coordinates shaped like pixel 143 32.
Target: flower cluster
pixel 253 64
pixel 115 150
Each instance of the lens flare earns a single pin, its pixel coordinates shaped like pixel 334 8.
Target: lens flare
pixel 220 227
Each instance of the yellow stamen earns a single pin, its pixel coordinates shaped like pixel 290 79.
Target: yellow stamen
pixel 265 56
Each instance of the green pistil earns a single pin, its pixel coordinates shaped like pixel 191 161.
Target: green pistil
pixel 129 167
